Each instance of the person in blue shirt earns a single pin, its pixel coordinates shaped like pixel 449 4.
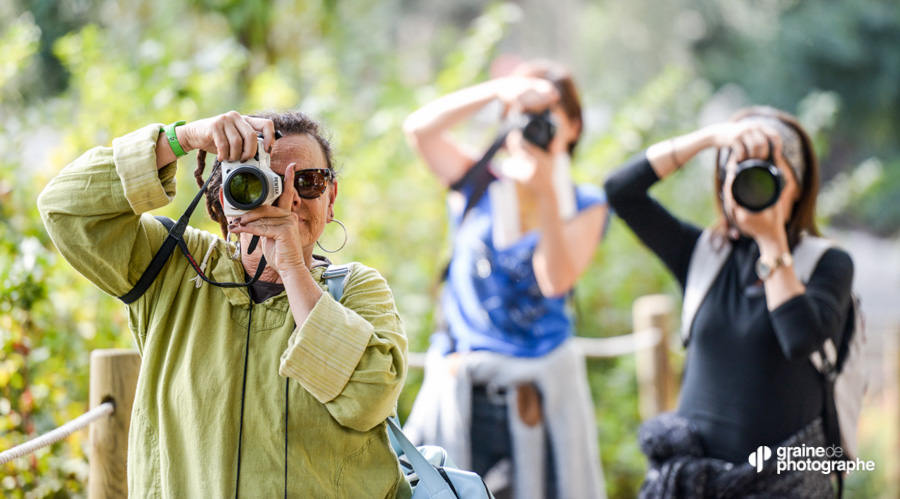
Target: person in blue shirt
pixel 504 387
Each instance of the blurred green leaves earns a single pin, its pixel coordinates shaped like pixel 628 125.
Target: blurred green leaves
pixel 75 74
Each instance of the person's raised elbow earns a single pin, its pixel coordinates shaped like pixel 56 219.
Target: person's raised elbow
pixel 49 207
pixel 413 128
pixel 614 186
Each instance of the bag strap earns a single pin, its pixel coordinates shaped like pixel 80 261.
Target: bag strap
pixel 706 263
pixel 158 262
pixel 334 276
pixel 479 177
pixel 175 236
pixel 807 254
pixel 429 478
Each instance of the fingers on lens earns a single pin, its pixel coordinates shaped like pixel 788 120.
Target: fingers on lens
pixel 221 142
pixel 235 141
pixel 290 178
pixel 248 136
pixel 758 144
pixel 739 149
pixel 773 139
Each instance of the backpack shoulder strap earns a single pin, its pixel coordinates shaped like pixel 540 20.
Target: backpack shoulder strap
pixel 706 262
pixel 334 276
pixel 157 263
pixel 807 254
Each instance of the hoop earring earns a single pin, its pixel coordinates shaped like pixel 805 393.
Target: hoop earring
pixel 342 245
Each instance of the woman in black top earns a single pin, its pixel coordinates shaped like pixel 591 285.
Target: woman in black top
pixel 748 379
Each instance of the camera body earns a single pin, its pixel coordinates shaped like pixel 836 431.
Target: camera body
pixel 250 184
pixel 538 128
pixel 757 183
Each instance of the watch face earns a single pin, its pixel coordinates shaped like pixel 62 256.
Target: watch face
pixel 763 269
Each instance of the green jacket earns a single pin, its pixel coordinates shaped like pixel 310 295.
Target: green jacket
pixel 335 379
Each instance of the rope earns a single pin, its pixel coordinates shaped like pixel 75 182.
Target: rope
pixel 58 434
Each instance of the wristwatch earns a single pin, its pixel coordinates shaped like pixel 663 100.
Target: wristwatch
pixel 766 266
pixel 173 139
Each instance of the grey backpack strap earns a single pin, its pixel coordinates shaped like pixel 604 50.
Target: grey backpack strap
pixel 807 255
pixel 707 260
pixel 334 276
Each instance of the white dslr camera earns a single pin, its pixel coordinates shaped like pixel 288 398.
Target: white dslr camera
pixel 250 184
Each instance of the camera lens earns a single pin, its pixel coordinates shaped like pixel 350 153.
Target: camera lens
pixel 539 129
pixel 246 188
pixel 757 185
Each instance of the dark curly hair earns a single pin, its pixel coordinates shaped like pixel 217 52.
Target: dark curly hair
pixel 288 123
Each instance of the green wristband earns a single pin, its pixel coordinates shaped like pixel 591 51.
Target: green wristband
pixel 173 139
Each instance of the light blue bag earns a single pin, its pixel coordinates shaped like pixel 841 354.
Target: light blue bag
pixel 434 476
pixel 429 470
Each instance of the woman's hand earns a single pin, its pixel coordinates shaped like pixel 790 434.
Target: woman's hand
pixel 751 140
pixel 765 225
pixel 230 136
pixel 528 164
pixel 526 94
pixel 745 139
pixel 279 229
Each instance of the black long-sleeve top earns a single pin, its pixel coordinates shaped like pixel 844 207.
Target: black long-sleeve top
pixel 748 380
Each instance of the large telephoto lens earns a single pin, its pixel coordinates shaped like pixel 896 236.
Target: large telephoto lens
pixel 757 185
pixel 246 188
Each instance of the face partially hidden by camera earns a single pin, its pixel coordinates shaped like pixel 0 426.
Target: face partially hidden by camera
pixel 304 151
pixel 550 129
pixel 789 162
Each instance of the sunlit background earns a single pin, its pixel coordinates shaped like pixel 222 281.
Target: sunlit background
pixel 74 74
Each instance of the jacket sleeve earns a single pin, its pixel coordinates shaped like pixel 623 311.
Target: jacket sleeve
pixel 671 239
pixel 803 323
pixel 93 210
pixel 352 355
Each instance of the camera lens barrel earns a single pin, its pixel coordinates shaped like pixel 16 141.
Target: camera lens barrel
pixel 246 188
pixel 757 184
pixel 539 129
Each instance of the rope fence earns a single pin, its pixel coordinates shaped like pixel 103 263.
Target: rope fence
pixel 61 433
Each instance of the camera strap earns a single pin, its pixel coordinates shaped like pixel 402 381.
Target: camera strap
pixel 175 238
pixel 479 177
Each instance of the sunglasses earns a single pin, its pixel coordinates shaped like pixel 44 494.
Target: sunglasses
pixel 311 183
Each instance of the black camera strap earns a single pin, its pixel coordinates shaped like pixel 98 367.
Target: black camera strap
pixel 175 238
pixel 479 176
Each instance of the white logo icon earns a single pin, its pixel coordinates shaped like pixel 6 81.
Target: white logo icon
pixel 759 457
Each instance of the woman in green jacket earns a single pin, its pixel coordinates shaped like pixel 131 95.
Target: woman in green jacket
pixel 282 391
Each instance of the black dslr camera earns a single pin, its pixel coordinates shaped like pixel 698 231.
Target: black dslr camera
pixel 537 128
pixel 757 182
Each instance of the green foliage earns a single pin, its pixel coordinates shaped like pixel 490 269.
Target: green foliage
pixel 74 75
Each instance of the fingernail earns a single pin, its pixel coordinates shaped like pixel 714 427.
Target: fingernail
pixel 236 220
pixel 232 227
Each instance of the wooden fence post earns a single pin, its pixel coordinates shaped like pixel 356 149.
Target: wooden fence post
pixel 656 386
pixel 890 399
pixel 114 375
